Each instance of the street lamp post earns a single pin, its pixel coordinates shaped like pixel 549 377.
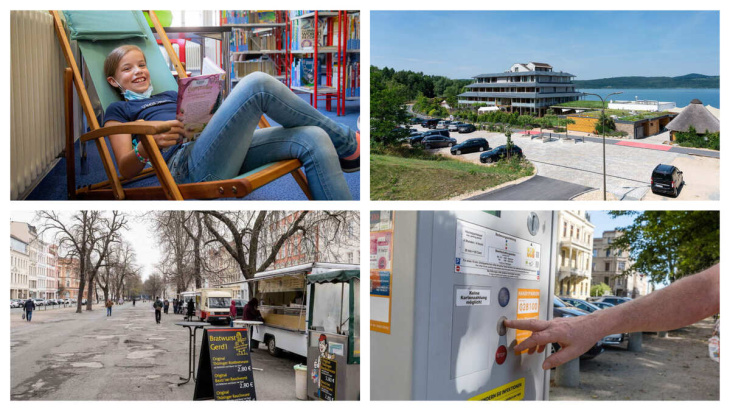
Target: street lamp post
pixel 603 131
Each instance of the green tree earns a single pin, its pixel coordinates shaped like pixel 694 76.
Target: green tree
pixel 387 109
pixel 524 120
pixel 508 134
pixel 605 122
pixel 600 289
pixel 667 245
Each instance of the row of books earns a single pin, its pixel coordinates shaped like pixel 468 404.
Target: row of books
pixel 303 33
pixel 247 16
pixel 252 40
pixel 302 72
pixel 244 68
pixel 352 78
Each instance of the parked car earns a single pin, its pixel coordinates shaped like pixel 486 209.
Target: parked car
pixel 39 302
pixel 561 309
pixel 454 126
pixel 469 146
pixel 431 123
pixel 438 141
pixel 466 128
pixel 14 303
pixel 666 179
pixel 498 152
pixel 416 120
pixel 416 140
pixel 602 305
pixel 612 299
pixel 578 303
pixel 443 124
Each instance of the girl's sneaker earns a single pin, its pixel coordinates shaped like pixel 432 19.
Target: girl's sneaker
pixel 351 163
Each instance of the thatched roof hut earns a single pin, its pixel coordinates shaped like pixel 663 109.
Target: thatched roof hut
pixel 697 116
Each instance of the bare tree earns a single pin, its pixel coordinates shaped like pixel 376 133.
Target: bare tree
pixel 254 238
pixel 154 284
pixel 86 236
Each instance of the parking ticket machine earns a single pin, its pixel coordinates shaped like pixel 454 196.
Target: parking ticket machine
pixel 442 282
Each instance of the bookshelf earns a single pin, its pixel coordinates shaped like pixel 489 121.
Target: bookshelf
pixel 257 42
pixel 323 58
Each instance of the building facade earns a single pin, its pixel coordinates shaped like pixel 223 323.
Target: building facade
pixel 575 242
pixel 68 278
pixel 19 265
pixel 525 88
pixel 609 266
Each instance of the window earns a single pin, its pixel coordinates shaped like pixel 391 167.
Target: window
pixel 608 267
pixel 622 265
pixel 608 252
pixel 595 252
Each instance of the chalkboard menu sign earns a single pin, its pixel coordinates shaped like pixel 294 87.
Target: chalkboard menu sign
pixel 225 371
pixel 328 379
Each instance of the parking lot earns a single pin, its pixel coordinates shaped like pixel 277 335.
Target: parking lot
pixel 628 169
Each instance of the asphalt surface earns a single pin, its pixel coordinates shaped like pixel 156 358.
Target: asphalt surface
pixel 62 355
pixel 536 188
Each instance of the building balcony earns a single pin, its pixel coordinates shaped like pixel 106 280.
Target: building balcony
pixel 573 273
pixel 574 243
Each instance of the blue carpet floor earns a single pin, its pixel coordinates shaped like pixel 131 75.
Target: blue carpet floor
pixel 53 186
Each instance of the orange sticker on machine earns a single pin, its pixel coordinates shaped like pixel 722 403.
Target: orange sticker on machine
pixel 528 307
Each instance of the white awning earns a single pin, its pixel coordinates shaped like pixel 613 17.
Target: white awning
pixel 488 108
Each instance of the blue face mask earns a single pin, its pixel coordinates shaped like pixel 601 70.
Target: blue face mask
pixel 131 95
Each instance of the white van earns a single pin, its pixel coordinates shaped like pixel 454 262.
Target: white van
pixel 211 304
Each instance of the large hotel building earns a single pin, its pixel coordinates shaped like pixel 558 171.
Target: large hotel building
pixel 525 88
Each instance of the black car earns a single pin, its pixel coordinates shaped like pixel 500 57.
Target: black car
pixel 430 123
pixel 416 120
pixel 466 128
pixel 438 141
pixel 498 152
pixel 666 179
pixel 416 140
pixel 471 145
pixel 561 309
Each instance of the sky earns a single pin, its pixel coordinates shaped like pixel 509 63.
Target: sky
pixel 604 222
pixel 588 44
pixel 142 238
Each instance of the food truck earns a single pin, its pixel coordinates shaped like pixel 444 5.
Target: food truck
pixel 284 305
pixel 333 356
pixel 211 304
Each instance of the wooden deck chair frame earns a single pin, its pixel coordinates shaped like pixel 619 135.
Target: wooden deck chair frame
pixel 112 189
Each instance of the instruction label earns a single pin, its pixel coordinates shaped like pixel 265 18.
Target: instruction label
pixel 472 296
pixel 482 251
pixel 514 391
pixel 528 307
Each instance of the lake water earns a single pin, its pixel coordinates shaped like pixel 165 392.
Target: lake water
pixel 681 96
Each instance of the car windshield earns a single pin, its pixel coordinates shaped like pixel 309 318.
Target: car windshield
pixel 219 302
pixel 557 302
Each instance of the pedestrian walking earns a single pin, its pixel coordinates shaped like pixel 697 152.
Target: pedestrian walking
pixel 29 307
pixel 134 301
pixel 166 305
pixel 157 305
pixel 109 305
pixel 233 311
pixel 191 309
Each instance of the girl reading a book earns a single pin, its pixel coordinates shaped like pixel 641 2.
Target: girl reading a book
pixel 230 144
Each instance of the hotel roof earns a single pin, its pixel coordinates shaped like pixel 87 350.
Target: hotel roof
pixel 526 73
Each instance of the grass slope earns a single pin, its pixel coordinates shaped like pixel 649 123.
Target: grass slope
pixel 437 178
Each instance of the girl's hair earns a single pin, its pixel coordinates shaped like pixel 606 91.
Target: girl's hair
pixel 112 60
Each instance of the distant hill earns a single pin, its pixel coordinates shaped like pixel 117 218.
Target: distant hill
pixel 687 81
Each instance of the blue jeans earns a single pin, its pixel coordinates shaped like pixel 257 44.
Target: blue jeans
pixel 28 314
pixel 108 311
pixel 231 145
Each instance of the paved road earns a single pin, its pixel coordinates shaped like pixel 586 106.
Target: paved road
pixel 62 355
pixel 536 188
pixel 628 168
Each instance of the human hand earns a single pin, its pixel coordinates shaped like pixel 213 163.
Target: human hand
pixel 576 335
pixel 171 137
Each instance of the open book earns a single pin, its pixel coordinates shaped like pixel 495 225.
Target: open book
pixel 198 98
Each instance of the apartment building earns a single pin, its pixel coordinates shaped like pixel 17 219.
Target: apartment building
pixel 19 266
pixel 609 266
pixel 529 88
pixel 68 278
pixel 575 242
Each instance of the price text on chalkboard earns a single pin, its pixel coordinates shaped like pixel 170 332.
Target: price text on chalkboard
pixel 225 371
pixel 328 379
